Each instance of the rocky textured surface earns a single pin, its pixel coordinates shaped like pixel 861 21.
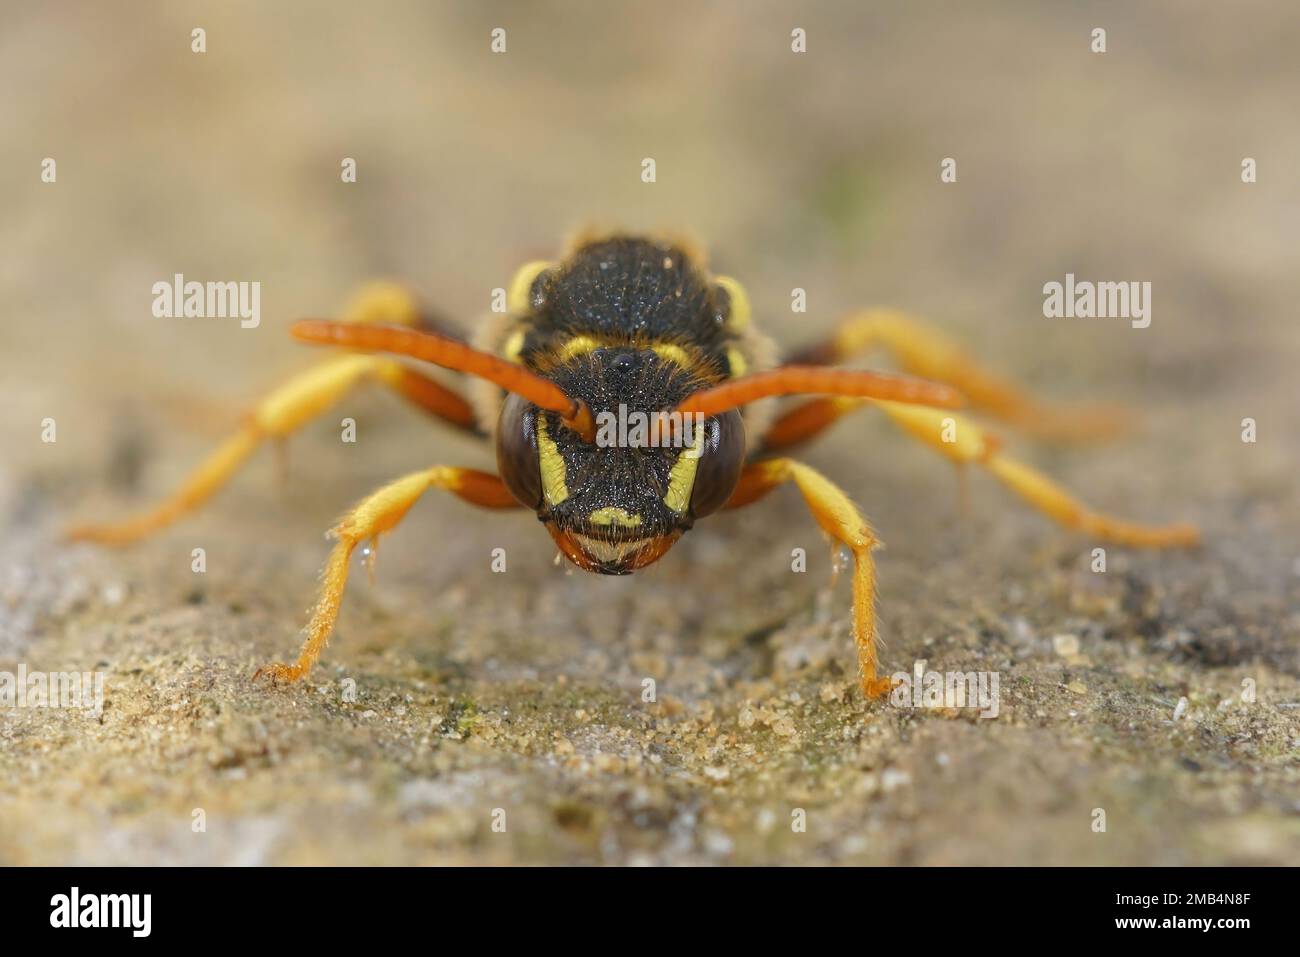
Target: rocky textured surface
pixel 501 718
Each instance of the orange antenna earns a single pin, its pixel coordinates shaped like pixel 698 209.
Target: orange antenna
pixel 451 354
pixel 791 380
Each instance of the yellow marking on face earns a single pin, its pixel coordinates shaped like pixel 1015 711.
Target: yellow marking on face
pixel 514 344
pixel 517 298
pixel 552 465
pixel 739 317
pixel 682 478
pixel 577 346
pixel 612 515
pixel 736 360
pixel 608 551
pixel 672 353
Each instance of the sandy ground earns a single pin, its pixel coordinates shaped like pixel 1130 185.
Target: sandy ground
pixel 499 718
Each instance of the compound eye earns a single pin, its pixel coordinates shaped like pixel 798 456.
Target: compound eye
pixel 517 459
pixel 720 465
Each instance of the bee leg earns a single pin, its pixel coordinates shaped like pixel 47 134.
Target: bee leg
pixel 964 442
pixel 840 519
pixel 375 515
pixel 806 421
pixel 304 397
pixel 925 352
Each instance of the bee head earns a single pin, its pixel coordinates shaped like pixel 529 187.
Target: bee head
pixel 620 501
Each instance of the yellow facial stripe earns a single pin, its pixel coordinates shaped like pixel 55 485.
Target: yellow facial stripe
pixel 517 300
pixel 672 353
pixel 739 317
pixel 577 346
pixel 682 478
pixel 552 465
pixel 614 516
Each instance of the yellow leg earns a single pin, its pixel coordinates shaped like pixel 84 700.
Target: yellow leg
pixel 929 354
pixel 288 408
pixel 373 516
pixel 964 442
pixel 197 488
pixel 840 519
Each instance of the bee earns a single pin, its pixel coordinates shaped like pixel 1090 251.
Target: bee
pixel 631 326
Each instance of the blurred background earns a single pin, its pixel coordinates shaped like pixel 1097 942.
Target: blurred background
pixel 817 170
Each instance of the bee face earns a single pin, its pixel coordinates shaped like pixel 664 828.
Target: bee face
pixel 620 502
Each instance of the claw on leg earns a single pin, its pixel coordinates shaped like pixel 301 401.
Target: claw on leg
pixel 279 673
pixel 877 688
pixel 373 516
pixel 841 520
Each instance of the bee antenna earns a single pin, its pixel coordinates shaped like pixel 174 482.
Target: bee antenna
pixel 793 380
pixel 451 354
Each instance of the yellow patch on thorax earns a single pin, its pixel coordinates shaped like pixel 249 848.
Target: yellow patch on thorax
pixel 577 346
pixel 672 353
pixel 740 309
pixel 517 296
pixel 513 346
